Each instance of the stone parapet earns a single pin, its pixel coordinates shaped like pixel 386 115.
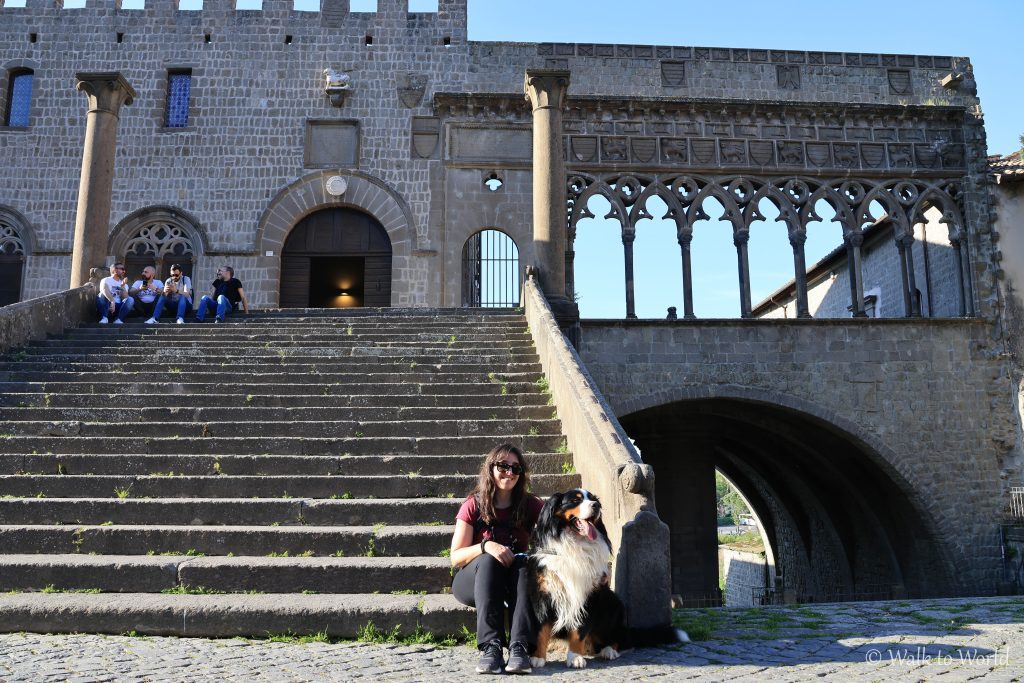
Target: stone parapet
pixel 610 467
pixel 34 319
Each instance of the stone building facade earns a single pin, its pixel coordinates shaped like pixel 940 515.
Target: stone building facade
pixel 427 117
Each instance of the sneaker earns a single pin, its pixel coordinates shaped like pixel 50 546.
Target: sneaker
pixel 103 320
pixel 491 660
pixel 180 321
pixel 118 321
pixel 152 321
pixel 218 320
pixel 518 659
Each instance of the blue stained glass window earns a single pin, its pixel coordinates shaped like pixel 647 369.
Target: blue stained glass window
pixel 19 99
pixel 178 87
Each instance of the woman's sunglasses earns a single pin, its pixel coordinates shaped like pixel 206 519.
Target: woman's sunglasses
pixel 509 467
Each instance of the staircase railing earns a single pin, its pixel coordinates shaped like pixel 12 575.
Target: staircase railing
pixel 609 466
pixel 26 321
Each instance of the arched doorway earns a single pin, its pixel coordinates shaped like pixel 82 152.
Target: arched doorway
pixel 490 270
pixel 336 258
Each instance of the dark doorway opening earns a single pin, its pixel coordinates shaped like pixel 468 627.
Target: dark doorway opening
pixel 336 282
pixel 336 258
pixel 11 270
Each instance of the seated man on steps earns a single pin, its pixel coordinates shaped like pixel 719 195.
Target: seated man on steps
pixel 113 298
pixel 177 293
pixel 148 295
pixel 227 293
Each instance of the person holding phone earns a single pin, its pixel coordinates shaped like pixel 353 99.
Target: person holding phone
pixel 148 295
pixel 177 292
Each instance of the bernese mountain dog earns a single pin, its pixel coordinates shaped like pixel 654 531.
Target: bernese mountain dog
pixel 569 590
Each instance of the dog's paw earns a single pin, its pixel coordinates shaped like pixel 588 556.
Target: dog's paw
pixel 609 653
pixel 575 661
pixel 538 662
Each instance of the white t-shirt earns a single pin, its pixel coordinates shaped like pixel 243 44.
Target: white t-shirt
pixel 183 284
pixel 150 295
pixel 113 285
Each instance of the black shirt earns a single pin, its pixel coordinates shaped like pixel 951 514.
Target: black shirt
pixel 228 289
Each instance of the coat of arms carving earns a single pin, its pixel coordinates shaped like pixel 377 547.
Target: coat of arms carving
pixel 411 87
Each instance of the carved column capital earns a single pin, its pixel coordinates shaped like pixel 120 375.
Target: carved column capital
pixel 546 88
pixel 107 91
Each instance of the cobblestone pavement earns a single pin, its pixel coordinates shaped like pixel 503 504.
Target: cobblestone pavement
pixel 941 640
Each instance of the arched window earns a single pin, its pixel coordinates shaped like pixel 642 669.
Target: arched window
pixel 12 262
pixel 158 236
pixel 490 271
pixel 19 98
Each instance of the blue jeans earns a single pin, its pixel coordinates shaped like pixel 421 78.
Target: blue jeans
pixel 183 305
pixel 121 310
pixel 223 307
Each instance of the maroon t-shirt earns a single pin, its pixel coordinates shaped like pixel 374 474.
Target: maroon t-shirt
pixel 502 530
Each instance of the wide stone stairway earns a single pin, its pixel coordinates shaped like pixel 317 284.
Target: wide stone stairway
pixel 292 471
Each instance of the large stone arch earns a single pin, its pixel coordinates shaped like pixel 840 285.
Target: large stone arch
pixel 364 192
pixel 815 541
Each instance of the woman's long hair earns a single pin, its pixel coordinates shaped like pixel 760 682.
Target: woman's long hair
pixel 485 487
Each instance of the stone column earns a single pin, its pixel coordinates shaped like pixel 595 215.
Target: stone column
pixel 546 91
pixel 107 93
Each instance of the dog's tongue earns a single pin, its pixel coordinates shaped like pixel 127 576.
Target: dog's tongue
pixel 585 528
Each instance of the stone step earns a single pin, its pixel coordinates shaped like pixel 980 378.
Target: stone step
pixel 260 465
pixel 317 368
pixel 157 573
pixel 225 616
pixel 232 511
pixel 253 413
pixel 261 374
pixel 262 486
pixel 293 355
pixel 288 445
pixel 270 429
pixel 206 389
pixel 258 541
pixel 390 337
pixel 40 399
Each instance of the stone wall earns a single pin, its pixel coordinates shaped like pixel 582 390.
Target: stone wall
pixel 257 81
pixel 928 400
pixel 35 319
pixel 746 583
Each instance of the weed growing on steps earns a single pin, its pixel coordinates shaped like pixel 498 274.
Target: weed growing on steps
pixel 20 356
pixel 563 447
pixel 446 552
pixel 47 399
pixel 77 539
pixel 568 467
pixel 216 466
pixel 53 589
pixel 543 386
pixel 185 589
pixel 452 339
pixel 174 371
pixel 122 493
pixel 337 553
pixel 534 431
pixel 249 398
pixel 414 473
pixel 348 331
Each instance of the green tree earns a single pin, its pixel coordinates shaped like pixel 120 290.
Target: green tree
pixel 728 501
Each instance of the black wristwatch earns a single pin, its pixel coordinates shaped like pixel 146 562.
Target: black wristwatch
pixel 482 549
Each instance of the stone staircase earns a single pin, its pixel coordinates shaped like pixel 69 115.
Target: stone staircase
pixel 291 471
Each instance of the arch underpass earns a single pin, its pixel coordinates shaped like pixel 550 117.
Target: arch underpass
pixel 838 524
pixel 867 448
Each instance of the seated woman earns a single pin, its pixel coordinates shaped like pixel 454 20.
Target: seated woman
pixel 492 535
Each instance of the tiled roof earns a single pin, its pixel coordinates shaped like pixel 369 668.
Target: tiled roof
pixel 1009 167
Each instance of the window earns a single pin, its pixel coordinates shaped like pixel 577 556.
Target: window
pixel 19 98
pixel 179 84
